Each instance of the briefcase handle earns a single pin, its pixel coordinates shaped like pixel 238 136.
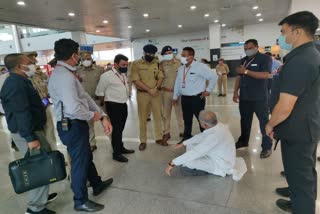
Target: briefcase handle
pixel 42 152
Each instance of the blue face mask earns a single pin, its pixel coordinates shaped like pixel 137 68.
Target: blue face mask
pixel 283 44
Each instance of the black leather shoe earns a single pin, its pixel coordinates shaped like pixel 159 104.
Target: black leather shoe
pixel 318 158
pixel 89 206
pixel 240 144
pixel 44 211
pixel 265 153
pixel 284 192
pixel 284 205
pixel 120 158
pixel 127 151
pixel 103 186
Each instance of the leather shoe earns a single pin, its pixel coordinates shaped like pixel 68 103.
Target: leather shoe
pixel 89 206
pixel 162 142
pixel 166 137
pixel 181 135
pixel 240 144
pixel 120 158
pixel 265 153
pixel 284 205
pixel 93 148
pixel 284 192
pixel 142 146
pixel 103 186
pixel 127 151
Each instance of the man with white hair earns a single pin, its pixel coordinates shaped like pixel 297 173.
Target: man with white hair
pixel 210 152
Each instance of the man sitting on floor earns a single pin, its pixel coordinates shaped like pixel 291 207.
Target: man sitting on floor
pixel 210 152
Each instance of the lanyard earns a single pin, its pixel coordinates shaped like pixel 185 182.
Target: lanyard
pixel 73 72
pixel 185 73
pixel 249 63
pixel 122 80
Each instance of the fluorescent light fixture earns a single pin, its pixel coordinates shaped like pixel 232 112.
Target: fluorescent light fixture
pixel 21 3
pixel 179 26
pixel 146 15
pixel 223 25
pixel 129 26
pixel 258 14
pixel 260 20
pixel 255 7
pixel 147 30
pixel 216 21
pixel 193 7
pixel 105 21
pixel 206 15
pixel 71 14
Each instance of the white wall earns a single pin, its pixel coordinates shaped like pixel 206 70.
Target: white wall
pixel 7 47
pixel 266 33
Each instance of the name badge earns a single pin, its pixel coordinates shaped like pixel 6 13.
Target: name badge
pixel 254 65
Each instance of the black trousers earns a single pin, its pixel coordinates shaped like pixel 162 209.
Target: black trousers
pixel 191 105
pixel 299 161
pixel 260 108
pixel 118 113
pixel 82 166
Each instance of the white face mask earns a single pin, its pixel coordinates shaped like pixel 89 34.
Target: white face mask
pixel 31 71
pixel 168 57
pixel 251 52
pixel 184 60
pixel 87 63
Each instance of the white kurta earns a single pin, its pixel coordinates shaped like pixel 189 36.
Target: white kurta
pixel 213 151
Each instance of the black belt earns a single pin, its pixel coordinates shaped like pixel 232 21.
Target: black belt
pixel 192 95
pixel 115 103
pixel 75 121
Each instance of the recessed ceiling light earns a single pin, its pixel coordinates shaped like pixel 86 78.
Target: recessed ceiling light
pixel 193 7
pixel 255 7
pixel 97 31
pixel 179 26
pixel 206 15
pixel 71 14
pixel 21 3
pixel 147 30
pixel 216 21
pixel 105 21
pixel 223 25
pixel 258 14
pixel 146 15
pixel 129 26
pixel 260 20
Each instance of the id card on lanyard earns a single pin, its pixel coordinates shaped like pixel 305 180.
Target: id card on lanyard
pixel 123 80
pixel 185 73
pixel 245 65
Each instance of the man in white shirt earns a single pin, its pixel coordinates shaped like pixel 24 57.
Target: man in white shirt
pixel 210 152
pixel 113 86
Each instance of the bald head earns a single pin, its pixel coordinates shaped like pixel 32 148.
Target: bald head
pixel 12 61
pixel 208 119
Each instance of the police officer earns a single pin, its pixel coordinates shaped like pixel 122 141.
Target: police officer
pixel 295 118
pixel 170 66
pixel 191 85
pixel 252 81
pixel 147 77
pixel 90 76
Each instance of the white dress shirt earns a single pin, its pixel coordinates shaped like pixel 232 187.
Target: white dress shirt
pixel 195 80
pixel 213 151
pixel 113 86
pixel 65 87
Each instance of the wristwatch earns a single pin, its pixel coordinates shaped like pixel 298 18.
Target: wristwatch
pixel 246 72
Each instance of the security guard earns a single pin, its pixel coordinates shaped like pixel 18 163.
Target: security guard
pixel 90 75
pixel 252 81
pixel 295 118
pixel 170 66
pixel 147 77
pixel 195 81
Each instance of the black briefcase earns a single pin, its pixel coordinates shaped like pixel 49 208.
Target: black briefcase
pixel 36 171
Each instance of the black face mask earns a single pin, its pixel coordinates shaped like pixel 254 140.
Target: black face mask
pixel 123 70
pixel 148 58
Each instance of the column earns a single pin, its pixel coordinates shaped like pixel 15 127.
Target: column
pixel 79 37
pixel 215 42
pixel 16 38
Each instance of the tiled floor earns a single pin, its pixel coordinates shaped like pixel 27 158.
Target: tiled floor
pixel 141 187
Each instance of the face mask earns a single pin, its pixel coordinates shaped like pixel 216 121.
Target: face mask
pixel 251 52
pixel 123 70
pixel 220 62
pixel 168 57
pixel 184 60
pixel 283 44
pixel 87 63
pixel 31 71
pixel 148 58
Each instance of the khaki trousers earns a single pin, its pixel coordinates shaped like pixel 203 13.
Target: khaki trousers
pixel 49 129
pixel 147 103
pixel 167 109
pixel 222 82
pixel 92 136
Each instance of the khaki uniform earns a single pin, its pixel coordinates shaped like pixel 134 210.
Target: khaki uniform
pixel 149 74
pixel 89 79
pixel 40 83
pixel 129 79
pixel 170 71
pixel 222 71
